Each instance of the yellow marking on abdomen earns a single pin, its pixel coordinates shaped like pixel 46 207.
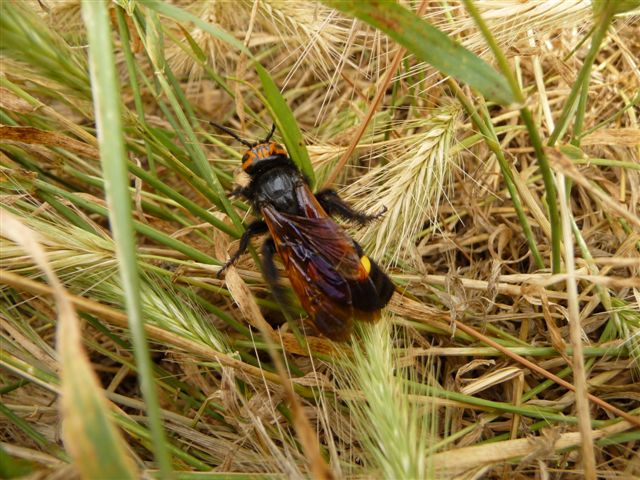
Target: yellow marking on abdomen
pixel 366 263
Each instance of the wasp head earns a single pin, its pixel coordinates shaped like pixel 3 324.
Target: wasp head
pixel 258 152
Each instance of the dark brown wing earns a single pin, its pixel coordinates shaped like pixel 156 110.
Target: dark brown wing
pixel 323 294
pixel 332 278
pixel 371 288
pixel 309 203
pixel 326 236
pixel 310 249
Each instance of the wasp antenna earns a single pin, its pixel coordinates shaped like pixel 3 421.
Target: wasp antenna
pixel 233 134
pixel 273 129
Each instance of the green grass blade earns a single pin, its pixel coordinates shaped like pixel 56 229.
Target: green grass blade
pixel 97 448
pixel 431 45
pixel 34 435
pixel 534 136
pixel 617 6
pixel 142 228
pixel 286 123
pixel 11 467
pixel 490 137
pixel 604 16
pixel 181 15
pixel 114 164
pixel 181 111
pixel 282 115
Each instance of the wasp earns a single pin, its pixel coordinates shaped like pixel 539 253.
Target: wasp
pixel 332 277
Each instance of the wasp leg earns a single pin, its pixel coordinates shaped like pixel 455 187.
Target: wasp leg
pixel 271 273
pixel 334 205
pixel 254 228
pixel 240 192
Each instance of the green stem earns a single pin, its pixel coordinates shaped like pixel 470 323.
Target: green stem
pixel 524 410
pixel 486 128
pixel 140 227
pixel 534 137
pixel 612 118
pixel 173 94
pixel 107 102
pixel 189 205
pixel 580 112
pixel 582 80
pixel 550 187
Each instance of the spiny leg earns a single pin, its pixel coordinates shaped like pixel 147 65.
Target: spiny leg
pixel 334 205
pixel 270 272
pixel 254 228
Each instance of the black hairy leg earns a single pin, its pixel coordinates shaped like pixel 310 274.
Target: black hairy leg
pixel 334 205
pixel 253 229
pixel 270 273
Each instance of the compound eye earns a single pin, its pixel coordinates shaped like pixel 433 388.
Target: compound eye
pixel 277 149
pixel 247 160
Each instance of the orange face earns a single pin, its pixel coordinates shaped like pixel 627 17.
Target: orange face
pixel 260 152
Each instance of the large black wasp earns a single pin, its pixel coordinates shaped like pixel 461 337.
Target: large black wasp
pixel 334 280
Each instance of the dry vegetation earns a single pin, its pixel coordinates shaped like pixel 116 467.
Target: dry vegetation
pixel 470 372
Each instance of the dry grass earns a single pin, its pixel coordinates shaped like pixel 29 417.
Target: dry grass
pixel 469 374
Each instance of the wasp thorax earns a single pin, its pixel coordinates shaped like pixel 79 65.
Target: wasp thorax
pixel 261 152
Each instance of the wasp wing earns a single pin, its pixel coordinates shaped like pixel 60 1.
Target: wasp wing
pixel 371 288
pixel 326 271
pixel 323 291
pixel 326 236
pixel 324 294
